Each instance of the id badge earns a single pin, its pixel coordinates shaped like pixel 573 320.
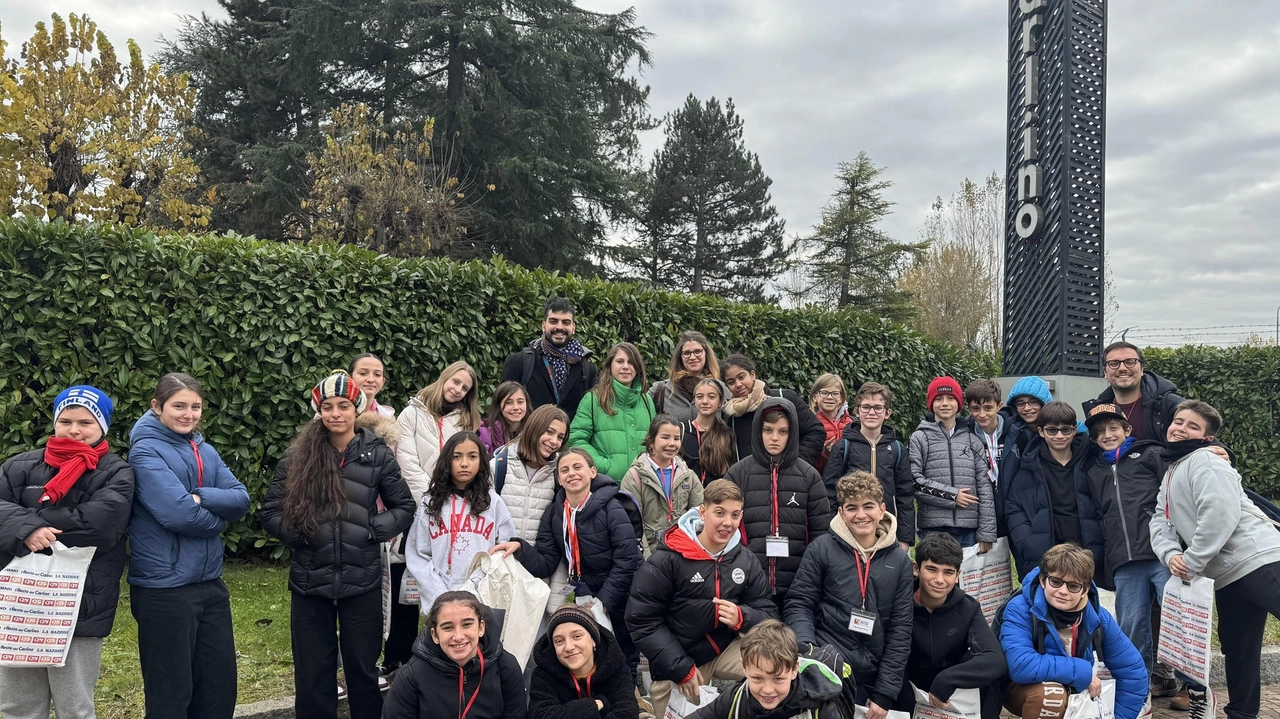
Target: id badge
pixel 862 622
pixel 777 547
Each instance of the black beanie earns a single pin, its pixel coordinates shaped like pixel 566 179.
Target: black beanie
pixel 577 615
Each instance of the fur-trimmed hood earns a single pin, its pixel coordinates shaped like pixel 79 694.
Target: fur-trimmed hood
pixel 387 429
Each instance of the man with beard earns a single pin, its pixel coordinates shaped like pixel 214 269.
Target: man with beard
pixel 555 368
pixel 1146 399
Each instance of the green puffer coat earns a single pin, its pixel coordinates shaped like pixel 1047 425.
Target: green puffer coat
pixel 613 440
pixel 641 481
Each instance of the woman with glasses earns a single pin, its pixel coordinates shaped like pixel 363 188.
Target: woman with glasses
pixel 827 400
pixel 692 361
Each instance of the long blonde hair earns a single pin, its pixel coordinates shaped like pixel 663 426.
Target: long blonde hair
pixel 432 397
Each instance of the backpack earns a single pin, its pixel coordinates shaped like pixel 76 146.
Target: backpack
pixel 829 657
pixel 631 505
pixel 500 468
pixel 1269 510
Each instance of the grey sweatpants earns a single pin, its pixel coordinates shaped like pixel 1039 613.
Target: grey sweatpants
pixel 26 693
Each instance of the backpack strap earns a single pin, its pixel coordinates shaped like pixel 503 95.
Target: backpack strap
pixel 844 463
pixel 897 454
pixel 500 468
pixel 526 366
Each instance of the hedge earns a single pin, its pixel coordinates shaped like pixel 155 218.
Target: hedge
pixel 1243 383
pixel 260 322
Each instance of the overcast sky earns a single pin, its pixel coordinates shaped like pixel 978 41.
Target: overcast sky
pixel 1193 120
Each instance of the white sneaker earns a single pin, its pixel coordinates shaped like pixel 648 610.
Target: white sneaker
pixel 1146 708
pixel 1203 704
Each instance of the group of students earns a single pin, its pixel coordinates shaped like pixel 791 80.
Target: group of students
pixel 684 519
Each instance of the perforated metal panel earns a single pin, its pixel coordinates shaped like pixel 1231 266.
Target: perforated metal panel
pixel 1054 278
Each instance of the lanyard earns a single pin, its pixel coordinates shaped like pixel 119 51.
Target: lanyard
pixel 578 690
pixel 455 524
pixel 462 713
pixel 863 576
pixel 199 464
pixel 774 491
pixel 440 431
pixel 571 529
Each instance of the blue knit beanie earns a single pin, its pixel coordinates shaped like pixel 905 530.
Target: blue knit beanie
pixel 1031 387
pixel 91 398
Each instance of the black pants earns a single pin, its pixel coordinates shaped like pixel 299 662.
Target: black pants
pixel 187 649
pixel 404 624
pixel 1242 610
pixel 315 654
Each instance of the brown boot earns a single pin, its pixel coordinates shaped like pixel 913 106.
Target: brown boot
pixel 1181 701
pixel 1164 687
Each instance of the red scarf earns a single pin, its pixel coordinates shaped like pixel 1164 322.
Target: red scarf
pixel 72 458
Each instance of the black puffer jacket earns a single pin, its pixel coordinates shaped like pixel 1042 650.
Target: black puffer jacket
pixel 803 510
pixel 671 614
pixel 1159 402
pixel 426 687
pixel 810 433
pixel 606 541
pixel 94 513
pixel 554 693
pixel 1120 501
pixel 827 588
pixel 1029 508
pixel 893 469
pixel 341 559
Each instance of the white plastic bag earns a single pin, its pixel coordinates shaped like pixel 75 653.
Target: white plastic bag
pixel 385 553
pixel 409 592
pixel 1083 706
pixel 965 704
pixel 39 604
pixel 1186 624
pixel 503 583
pixel 860 712
pixel 679 706
pixel 988 577
pixel 597 610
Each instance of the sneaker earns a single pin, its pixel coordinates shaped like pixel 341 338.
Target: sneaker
pixel 342 692
pixel 1201 704
pixel 1180 702
pixel 1146 708
pixel 385 674
pixel 645 707
pixel 1164 687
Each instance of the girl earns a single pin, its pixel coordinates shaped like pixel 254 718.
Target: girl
pixel 370 375
pixel 459 668
pixel 443 408
pixel 506 413
pixel 828 401
pixel 709 446
pixel 610 421
pixel 748 392
pixel 323 504
pixel 589 527
pixel 440 546
pixel 76 492
pixel 664 485
pixel 580 672
pixel 526 471
pixel 185 497
pixel 692 361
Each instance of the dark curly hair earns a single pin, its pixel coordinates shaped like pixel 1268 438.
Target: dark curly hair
pixel 477 493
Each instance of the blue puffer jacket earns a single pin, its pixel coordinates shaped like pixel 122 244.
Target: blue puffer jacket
pixel 1027 666
pixel 172 540
pixel 1029 511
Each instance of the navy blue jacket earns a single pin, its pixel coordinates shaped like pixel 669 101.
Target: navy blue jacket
pixel 1030 512
pixel 172 540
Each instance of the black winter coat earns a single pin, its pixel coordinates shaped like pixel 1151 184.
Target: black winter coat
pixel 1030 512
pixel 812 434
pixel 803 510
pixel 827 589
pixel 607 544
pixel 816 689
pixel 342 558
pixel 426 687
pixel 554 693
pixel 1119 503
pixel 94 513
pixel 1159 402
pixel 670 613
pixel 893 469
pixel 1014 439
pixel 953 648
pixel 538 382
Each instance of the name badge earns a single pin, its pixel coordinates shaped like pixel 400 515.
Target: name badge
pixel 862 622
pixel 777 547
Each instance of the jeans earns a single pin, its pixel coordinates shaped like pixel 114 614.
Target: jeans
pixel 1242 609
pixel 966 537
pixel 187 650
pixel 1137 583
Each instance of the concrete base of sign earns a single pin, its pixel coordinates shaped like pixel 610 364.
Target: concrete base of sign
pixel 1066 388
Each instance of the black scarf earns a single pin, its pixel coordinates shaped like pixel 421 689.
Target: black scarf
pixel 1062 619
pixel 1175 451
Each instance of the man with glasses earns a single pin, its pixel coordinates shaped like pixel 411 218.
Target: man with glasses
pixel 869 445
pixel 1042 501
pixel 1146 399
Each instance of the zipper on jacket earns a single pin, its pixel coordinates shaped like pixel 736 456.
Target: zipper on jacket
pixel 1124 526
pixel 337 558
pixel 951 470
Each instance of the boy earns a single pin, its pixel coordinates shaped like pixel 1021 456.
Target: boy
pixel 784 501
pixel 1043 500
pixel 75 491
pixel 853 591
pixel 698 590
pixel 949 469
pixel 1206 526
pixel 779 683
pixel 989 424
pixel 1051 631
pixel 869 445
pixel 951 645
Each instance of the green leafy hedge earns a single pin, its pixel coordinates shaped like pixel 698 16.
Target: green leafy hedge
pixel 261 322
pixel 1243 383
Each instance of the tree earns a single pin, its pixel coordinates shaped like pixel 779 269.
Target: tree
pixel 533 97
pixel 709 224
pixel 85 137
pixel 957 286
pixel 850 261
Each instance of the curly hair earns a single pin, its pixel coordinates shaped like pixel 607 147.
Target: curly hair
pixel 477 492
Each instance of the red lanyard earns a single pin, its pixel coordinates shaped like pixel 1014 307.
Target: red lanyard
pixel 571 528
pixel 863 576
pixel 697 431
pixel 1074 629
pixel 578 690
pixel 455 524
pixel 440 431
pixel 774 491
pixel 199 464
pixel 462 673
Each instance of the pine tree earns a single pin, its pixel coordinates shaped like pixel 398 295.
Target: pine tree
pixel 710 225
pixel 851 261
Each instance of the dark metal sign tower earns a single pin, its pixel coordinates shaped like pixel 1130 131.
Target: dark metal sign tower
pixel 1053 278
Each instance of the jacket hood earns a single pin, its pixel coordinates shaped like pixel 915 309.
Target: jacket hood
pixel 1039 604
pixel 886 534
pixel 1033 386
pixel 1001 423
pixel 386 428
pixel 815 685
pixel 609 657
pixel 931 426
pixel 149 426
pixel 644 467
pixel 853 433
pixel 490 646
pixel 791 452
pixel 683 538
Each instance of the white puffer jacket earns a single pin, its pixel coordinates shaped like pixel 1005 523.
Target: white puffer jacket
pixel 422 438
pixel 526 497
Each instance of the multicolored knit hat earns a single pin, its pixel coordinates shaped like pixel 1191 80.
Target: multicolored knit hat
pixel 339 384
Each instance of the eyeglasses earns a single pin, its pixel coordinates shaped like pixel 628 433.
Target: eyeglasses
pixel 872 408
pixel 830 393
pixel 1059 583
pixel 1129 363
pixel 1064 431
pixel 1024 403
pixel 690 354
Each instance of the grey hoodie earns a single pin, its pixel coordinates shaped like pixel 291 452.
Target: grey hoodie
pixel 941 466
